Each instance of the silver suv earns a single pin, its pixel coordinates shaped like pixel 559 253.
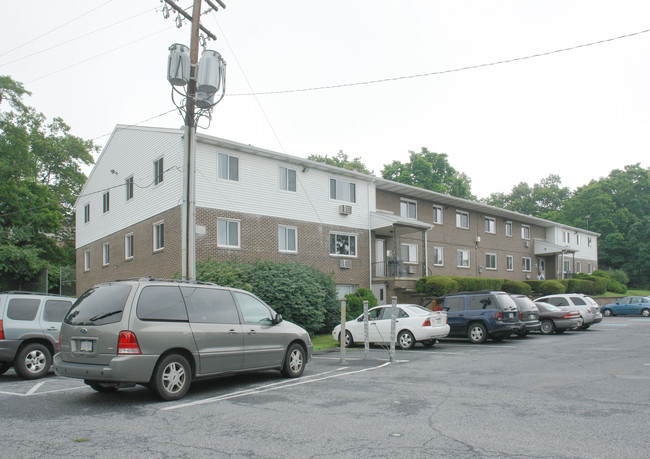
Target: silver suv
pixel 29 331
pixel 589 309
pixel 163 334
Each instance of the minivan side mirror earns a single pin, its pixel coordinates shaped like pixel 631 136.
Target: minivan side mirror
pixel 277 319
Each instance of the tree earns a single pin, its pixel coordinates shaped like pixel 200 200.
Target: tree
pixel 542 200
pixel 40 177
pixel 430 171
pixel 342 160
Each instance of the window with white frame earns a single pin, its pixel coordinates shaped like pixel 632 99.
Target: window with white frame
pixel 510 262
pixel 343 244
pixel 87 213
pixel 578 238
pixel 490 261
pixel 287 240
pixel 129 188
pixel 463 259
pixel 105 254
pixel 128 246
pixel 408 208
pixel 462 219
pixel 437 215
pixel 438 256
pixel 158 172
pixel 228 233
pixel 287 179
pixel 566 237
pixel 342 190
pixel 526 264
pixel 525 232
pixel 158 236
pixel 87 260
pixel 509 229
pixel 228 167
pixel 106 201
pixel 589 268
pixel 410 253
pixel 588 242
pixel 567 266
pixel 578 267
pixel 490 225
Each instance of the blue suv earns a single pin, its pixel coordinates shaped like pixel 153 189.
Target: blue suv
pixel 481 315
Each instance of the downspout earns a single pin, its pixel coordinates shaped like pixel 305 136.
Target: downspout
pixel 426 252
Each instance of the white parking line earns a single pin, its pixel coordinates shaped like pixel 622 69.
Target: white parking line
pixel 272 387
pixel 32 391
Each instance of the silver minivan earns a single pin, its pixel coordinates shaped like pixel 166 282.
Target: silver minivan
pixel 164 334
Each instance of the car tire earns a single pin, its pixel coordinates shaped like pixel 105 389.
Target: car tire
pixel 645 312
pixel 33 361
pixel 294 361
pixel 428 342
pixel 607 313
pixel 349 341
pixel 406 340
pixel 172 377
pixel 104 388
pixel 547 327
pixel 477 333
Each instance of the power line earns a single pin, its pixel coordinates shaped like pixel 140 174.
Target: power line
pixel 139 122
pixel 442 72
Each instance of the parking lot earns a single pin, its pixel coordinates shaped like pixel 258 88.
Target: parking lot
pixel 580 394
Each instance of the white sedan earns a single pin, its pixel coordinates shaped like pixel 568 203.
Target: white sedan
pixel 413 324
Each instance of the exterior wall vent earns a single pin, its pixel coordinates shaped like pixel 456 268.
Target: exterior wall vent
pixel 345 210
pixel 346 264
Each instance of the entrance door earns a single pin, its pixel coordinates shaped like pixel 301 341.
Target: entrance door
pixel 380 258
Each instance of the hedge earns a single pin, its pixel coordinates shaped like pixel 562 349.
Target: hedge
pixel 517 287
pixel 442 285
pixel 551 287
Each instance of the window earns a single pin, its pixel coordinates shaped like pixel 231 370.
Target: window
pixel 158 171
pixel 577 238
pixel 342 190
pixel 86 213
pixel 128 246
pixel 438 256
pixel 566 237
pixel 209 305
pixel 129 188
pixel 462 219
pixel 287 239
pixel 589 268
pixel 228 167
pixel 107 202
pixel 525 264
pixel 55 310
pixel 253 310
pixel 578 267
pixel 509 229
pixel 161 304
pixel 480 302
pixel 437 215
pixel 23 308
pixel 490 261
pixel 228 233
pixel 158 236
pixel 410 253
pixel 408 209
pixel 87 260
pixel 509 263
pixel 490 225
pixel 463 259
pixel 287 179
pixel 105 254
pixel 343 244
pixel 455 303
pixel 345 289
pixel 567 266
pixel 525 232
pixel 588 242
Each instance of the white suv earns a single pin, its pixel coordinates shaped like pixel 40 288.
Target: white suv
pixel 588 308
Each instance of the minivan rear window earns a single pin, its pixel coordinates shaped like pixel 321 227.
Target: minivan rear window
pixel 100 305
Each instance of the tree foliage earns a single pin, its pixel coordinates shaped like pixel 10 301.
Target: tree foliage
pixel 342 160
pixel 40 177
pixel 430 171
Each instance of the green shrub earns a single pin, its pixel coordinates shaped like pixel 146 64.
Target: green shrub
pixel 619 276
pixel 436 285
pixel 601 273
pixel 354 302
pixel 302 294
pixel 473 284
pixel 616 287
pixel 517 287
pixel 551 287
pixel 535 285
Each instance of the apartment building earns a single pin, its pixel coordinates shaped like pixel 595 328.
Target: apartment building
pixel 255 204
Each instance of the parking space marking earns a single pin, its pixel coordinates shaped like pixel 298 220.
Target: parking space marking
pixel 33 390
pixel 271 387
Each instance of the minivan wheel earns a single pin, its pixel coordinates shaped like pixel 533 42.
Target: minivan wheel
pixel 33 361
pixel 406 340
pixel 172 377
pixel 104 388
pixel 3 368
pixel 294 361
pixel 547 328
pixel 477 333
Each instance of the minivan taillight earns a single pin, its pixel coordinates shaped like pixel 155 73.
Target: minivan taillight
pixel 2 330
pixel 128 344
pixel 521 315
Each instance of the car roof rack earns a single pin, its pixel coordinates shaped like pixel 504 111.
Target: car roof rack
pixel 25 292
pixel 154 279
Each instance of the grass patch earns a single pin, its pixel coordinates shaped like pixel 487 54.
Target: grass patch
pixel 323 342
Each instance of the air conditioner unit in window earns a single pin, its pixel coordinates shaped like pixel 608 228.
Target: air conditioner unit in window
pixel 413 269
pixel 345 210
pixel 526 244
pixel 347 264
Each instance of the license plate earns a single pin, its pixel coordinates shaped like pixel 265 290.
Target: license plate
pixel 85 345
pixel 511 315
pixel 532 316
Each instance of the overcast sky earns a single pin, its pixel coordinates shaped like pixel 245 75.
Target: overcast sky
pixel 578 114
